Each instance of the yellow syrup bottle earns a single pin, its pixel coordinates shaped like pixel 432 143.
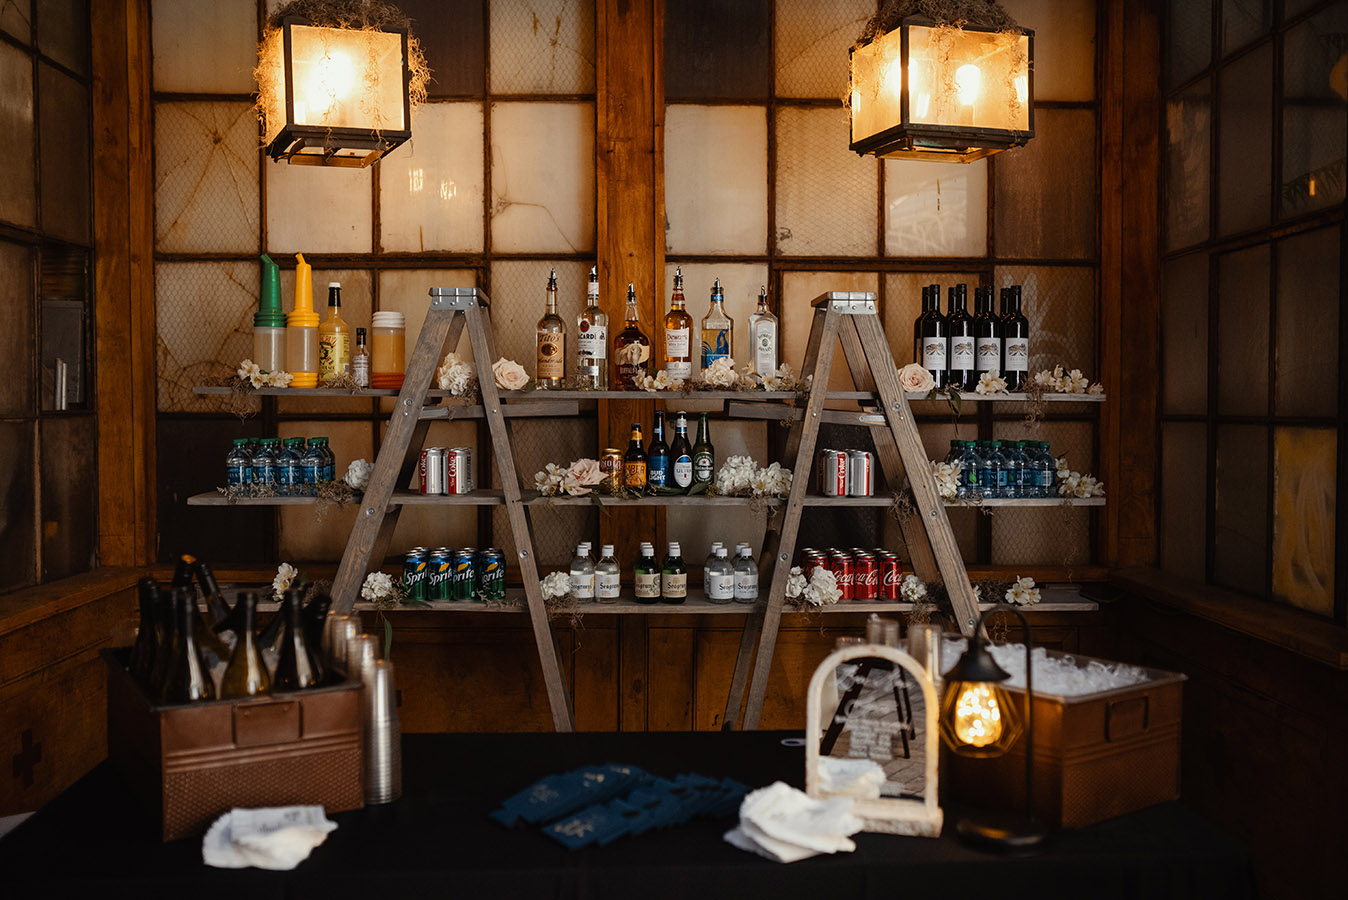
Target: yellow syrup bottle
pixel 334 339
pixel 302 329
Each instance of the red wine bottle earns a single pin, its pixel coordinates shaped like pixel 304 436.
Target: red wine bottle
pixel 963 344
pixel 931 336
pixel 1015 344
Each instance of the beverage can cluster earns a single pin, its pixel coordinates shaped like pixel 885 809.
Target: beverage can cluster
pixel 861 574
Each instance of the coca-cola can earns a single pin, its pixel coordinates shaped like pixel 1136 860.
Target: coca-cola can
pixel 458 470
pixel 810 560
pixel 431 470
pixel 834 473
pixel 860 473
pixel 865 577
pixel 891 577
pixel 844 571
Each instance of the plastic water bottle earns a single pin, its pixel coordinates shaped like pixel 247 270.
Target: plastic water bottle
pixel 264 463
pixel 1015 470
pixel 969 483
pixel 329 460
pixel 989 469
pixel 289 471
pixel 312 464
pixel 1045 470
pixel 238 463
pixel 707 564
pixel 746 576
pixel 582 575
pixel 720 576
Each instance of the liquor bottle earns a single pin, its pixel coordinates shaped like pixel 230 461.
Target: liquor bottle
pixel 763 337
pixel 718 329
pixel 141 662
pixel 246 675
pixel 657 454
pixel 607 577
pixel 631 348
pixel 296 669
pixel 681 453
pixel 188 678
pixel 592 340
pixel 582 574
pixel 646 579
pixel 704 454
pixel 678 335
pixel 634 462
pixel 987 333
pixel 721 578
pixel 709 562
pixel 963 364
pixel 360 361
pixel 550 371
pixel 334 339
pixel 931 339
pixel 673 576
pixel 1015 344
pixel 746 576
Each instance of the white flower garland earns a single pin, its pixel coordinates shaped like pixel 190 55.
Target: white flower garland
pixel 820 589
pixel 741 476
pixel 555 585
pixel 990 383
pixel 1023 592
pixel 285 576
pixel 574 480
pixel 1060 381
pixel 947 477
pixel 1075 484
pixel 258 377
pixel 455 376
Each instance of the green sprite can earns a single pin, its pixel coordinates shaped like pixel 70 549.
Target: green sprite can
pixel 491 574
pixel 464 586
pixel 415 565
pixel 439 574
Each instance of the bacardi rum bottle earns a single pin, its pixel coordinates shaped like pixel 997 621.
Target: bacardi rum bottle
pixel 551 365
pixel 678 335
pixel 592 340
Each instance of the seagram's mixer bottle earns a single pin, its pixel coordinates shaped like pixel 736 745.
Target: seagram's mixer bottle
pixel 592 340
pixel 646 576
pixel 763 337
pixel 631 348
pixel 550 371
pixel 678 335
pixel 718 329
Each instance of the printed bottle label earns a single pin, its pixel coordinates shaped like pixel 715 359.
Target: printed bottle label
pixel 746 586
pixel 592 344
pixel 674 585
pixel 238 474
pixel 1017 354
pixel 647 585
pixel 657 471
pixel 715 344
pixel 703 466
pixel 334 356
pixel 683 471
pixel 551 355
pixel 582 585
pixel 609 584
pixel 962 352
pixel 765 348
pixel 933 353
pixel 989 354
pixel 634 474
pixel 721 587
pixel 676 345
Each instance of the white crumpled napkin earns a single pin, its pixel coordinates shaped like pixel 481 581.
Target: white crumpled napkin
pixel 860 778
pixel 278 837
pixel 785 825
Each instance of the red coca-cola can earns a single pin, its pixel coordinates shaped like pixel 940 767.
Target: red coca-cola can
pixel 810 560
pixel 866 577
pixel 834 469
pixel 891 577
pixel 844 570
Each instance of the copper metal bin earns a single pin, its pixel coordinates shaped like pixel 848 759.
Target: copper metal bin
pixel 1096 756
pixel 190 764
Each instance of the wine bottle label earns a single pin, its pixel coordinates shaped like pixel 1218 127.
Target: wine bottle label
pixel 746 586
pixel 551 355
pixel 657 471
pixel 715 344
pixel 765 348
pixel 676 345
pixel 582 585
pixel 609 584
pixel 674 585
pixel 721 587
pixel 703 465
pixel 634 474
pixel 592 342
pixel 647 585
pixel 933 353
pixel 989 354
pixel 962 353
pixel 1017 354
pixel 683 471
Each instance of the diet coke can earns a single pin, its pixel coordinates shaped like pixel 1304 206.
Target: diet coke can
pixel 458 471
pixel 844 570
pixel 891 574
pixel 431 469
pixel 833 473
pixel 866 577
pixel 860 473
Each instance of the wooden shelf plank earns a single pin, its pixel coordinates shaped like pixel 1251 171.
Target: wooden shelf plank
pixel 215 498
pixel 532 498
pixel 484 497
pixel 298 393
pixel 882 501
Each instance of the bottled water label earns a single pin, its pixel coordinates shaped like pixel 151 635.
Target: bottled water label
pixel 264 473
pixel 608 584
pixel 721 587
pixel 647 585
pixel 311 472
pixel 238 474
pixel 746 586
pixel 290 474
pixel 582 585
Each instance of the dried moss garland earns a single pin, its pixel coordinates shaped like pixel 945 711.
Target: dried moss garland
pixel 942 12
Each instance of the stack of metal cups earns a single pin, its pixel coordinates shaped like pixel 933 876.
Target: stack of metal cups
pixel 383 738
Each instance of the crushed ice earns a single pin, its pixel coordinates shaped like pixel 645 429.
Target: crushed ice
pixel 1053 674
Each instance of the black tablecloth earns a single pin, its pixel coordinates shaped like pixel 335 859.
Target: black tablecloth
pixel 437 841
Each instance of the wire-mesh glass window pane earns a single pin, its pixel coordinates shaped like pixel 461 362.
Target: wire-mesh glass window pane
pixel 423 525
pixel 357 287
pixel 16 18
pixel 903 304
pixel 740 283
pixel 63 33
pixel 1245 141
pixel 206 190
pixel 431 188
pixel 1243 21
pixel 204 47
pixel 1241 531
pixel 1242 332
pixel 408 291
pixel 63 126
pixel 1184 335
pixel 542 177
pixel 206 337
pixel 313 209
pixel 518 295
pixel 716 179
pixel 936 209
pixel 1046 190
pixel 1059 301
pixel 453 40
pixel 556 529
pixel 718 49
pixel 827 196
pixel 1064 46
pixel 1305 461
pixel 1189 44
pixel 799 290
pixel 1308 324
pixel 542 47
pixel 810 42
pixel 1314 113
pixel 1184 527
pixel 18 195
pixel 1055 535
pixel 1188 125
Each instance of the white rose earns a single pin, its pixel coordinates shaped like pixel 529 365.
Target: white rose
pixel 795 583
pixel 915 379
pixel 912 589
pixel 823 589
pixel 510 375
pixel 285 575
pixel 556 584
pixel 358 474
pixel 990 383
pixel 378 586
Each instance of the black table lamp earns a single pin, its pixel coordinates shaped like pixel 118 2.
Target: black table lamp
pixel 979 718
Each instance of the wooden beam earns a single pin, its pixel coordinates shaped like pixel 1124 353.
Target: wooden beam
pixel 124 321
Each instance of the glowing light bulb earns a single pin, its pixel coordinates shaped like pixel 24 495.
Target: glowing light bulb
pixel 1310 186
pixel 967 78
pixel 330 84
pixel 978 719
pixel 921 98
pixel 1022 88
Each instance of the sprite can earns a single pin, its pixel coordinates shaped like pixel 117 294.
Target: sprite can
pixel 464 585
pixel 415 565
pixel 491 574
pixel 439 572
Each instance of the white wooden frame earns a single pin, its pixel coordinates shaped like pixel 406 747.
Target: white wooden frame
pixel 890 815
